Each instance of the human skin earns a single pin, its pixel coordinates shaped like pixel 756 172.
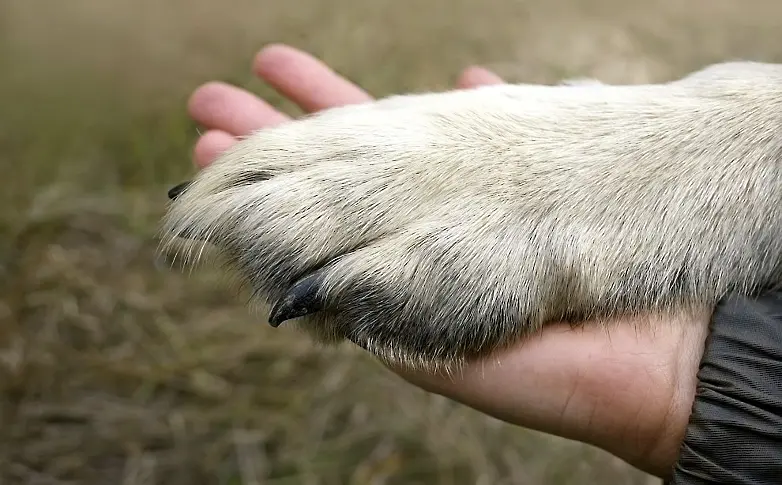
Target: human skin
pixel 624 386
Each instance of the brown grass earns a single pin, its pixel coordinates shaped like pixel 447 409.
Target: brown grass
pixel 115 371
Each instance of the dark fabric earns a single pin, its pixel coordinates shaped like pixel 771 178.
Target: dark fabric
pixel 735 430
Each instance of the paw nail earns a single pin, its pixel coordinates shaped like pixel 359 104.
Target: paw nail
pixel 176 191
pixel 301 299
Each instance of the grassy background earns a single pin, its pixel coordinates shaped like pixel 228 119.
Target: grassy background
pixel 115 371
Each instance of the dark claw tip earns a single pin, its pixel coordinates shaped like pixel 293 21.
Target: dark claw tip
pixel 176 191
pixel 301 299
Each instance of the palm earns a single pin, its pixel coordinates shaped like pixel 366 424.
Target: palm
pixel 626 387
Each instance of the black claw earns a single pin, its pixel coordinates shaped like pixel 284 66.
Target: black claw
pixel 302 299
pixel 176 191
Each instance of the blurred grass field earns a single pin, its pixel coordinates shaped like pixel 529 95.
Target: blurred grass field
pixel 113 371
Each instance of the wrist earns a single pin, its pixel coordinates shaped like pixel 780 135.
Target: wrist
pixel 734 431
pixel 686 351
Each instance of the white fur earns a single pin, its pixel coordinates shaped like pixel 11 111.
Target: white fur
pixel 451 224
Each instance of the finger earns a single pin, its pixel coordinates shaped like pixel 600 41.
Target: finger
pixel 230 109
pixel 475 76
pixel 307 81
pixel 210 146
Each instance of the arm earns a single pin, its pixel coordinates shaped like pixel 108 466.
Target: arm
pixel 735 430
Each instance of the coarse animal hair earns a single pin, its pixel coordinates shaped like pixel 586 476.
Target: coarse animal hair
pixel 434 229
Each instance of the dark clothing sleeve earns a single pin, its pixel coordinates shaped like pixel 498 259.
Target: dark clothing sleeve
pixel 734 434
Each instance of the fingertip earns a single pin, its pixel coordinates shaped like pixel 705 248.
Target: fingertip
pixel 221 106
pixel 211 145
pixel 475 76
pixel 203 97
pixel 274 54
pixel 305 79
pixel 276 59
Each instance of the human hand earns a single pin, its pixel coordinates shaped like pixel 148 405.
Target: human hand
pixel 624 386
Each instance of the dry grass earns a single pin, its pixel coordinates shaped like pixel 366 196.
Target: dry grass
pixel 114 371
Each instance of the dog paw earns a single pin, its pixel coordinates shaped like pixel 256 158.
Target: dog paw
pixel 434 228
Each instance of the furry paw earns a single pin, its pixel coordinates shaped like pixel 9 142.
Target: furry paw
pixel 435 228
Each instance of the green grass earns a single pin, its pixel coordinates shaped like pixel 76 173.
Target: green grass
pixel 115 371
